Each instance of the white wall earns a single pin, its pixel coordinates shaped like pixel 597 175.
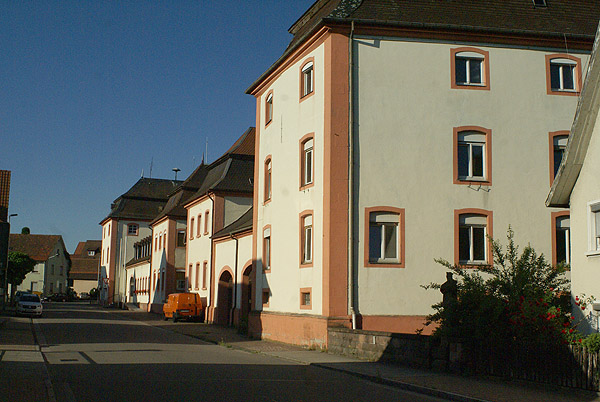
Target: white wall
pixel 585 261
pixel 292 120
pixel 199 247
pixel 404 120
pixel 225 257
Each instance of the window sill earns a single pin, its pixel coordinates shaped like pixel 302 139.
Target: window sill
pixel 384 264
pixel 594 253
pixel 306 186
pixel 306 264
pixel 563 92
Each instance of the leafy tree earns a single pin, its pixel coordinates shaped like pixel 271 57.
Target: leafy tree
pixel 519 298
pixel 19 265
pixel 25 230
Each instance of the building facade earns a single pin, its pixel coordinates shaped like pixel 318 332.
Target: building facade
pixel 577 187
pixel 388 137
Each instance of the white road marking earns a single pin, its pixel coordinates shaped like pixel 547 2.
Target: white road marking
pixel 22 356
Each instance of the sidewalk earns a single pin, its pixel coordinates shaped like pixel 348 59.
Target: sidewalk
pixel 22 368
pixel 448 386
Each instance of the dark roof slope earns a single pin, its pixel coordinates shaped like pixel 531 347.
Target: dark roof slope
pixel 38 247
pixel 234 174
pixel 564 19
pixel 242 224
pixel 145 200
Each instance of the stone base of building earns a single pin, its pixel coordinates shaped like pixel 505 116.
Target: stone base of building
pixel 296 329
pixel 399 324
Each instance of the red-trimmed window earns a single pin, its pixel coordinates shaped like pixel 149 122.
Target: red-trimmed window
pixel 472 155
pixel 307 78
pixel 192 228
pixel 470 68
pixel 265 297
pixel 305 298
pixel 561 237
pixel 197 276
pixel 306 239
pixel 132 229
pixel 563 74
pixel 266 254
pixel 269 108
pixel 472 233
pixel 206 220
pixel 307 161
pixel 268 178
pixel 204 271
pixel 384 237
pixel 181 238
pixel 558 144
pixel 198 229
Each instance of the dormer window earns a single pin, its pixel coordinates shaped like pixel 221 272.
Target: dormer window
pixel 91 253
pixel 539 3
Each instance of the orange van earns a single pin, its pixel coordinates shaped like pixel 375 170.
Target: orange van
pixel 183 305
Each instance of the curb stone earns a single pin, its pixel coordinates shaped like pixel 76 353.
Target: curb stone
pixel 405 386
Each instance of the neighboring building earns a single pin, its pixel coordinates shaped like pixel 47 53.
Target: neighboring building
pixel 127 223
pixel 389 134
pixel 52 262
pixel 233 267
pixel 224 196
pixel 577 186
pixel 158 266
pixel 85 266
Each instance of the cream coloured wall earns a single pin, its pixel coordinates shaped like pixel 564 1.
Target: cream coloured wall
pixel 159 261
pixel 226 257
pixel 124 251
pixel 35 277
pixel 235 207
pixel 199 247
pixel 292 120
pixel 404 120
pixel 585 261
pixel 81 286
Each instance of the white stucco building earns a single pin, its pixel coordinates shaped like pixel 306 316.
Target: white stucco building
pixel 388 136
pixel 577 187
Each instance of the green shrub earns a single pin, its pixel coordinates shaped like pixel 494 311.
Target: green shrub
pixel 592 342
pixel 520 298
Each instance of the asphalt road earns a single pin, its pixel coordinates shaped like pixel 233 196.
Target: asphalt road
pixel 91 354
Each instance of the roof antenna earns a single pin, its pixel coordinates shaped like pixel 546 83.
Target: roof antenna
pixel 176 170
pixel 151 163
pixel 142 173
pixel 206 149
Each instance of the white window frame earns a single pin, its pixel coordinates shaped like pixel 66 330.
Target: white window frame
pixel 307 162
pixel 470 57
pixel 385 221
pixel 472 138
pixel 130 226
pixel 474 221
pixel 307 79
pixel 269 106
pixel 307 238
pixel 267 249
pixel 593 213
pixel 562 64
pixel 567 238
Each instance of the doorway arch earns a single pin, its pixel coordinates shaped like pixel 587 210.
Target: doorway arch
pixel 224 298
pixel 246 305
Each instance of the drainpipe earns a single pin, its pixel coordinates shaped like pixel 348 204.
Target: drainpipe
pixel 210 261
pixel 235 270
pixel 350 178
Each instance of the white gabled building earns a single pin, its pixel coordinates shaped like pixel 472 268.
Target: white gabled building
pixel 577 187
pixel 388 136
pixel 126 224
pixel 224 196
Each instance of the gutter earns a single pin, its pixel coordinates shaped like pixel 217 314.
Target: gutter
pixel 351 178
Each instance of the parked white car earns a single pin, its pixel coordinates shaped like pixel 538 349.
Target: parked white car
pixel 29 304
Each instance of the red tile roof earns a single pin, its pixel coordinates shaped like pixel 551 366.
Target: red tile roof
pixel 38 247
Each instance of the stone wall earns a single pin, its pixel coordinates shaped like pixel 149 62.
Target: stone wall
pixel 420 351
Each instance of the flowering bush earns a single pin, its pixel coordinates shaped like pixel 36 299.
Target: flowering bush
pixel 520 298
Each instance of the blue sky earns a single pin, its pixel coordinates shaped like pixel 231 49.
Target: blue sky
pixel 93 91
